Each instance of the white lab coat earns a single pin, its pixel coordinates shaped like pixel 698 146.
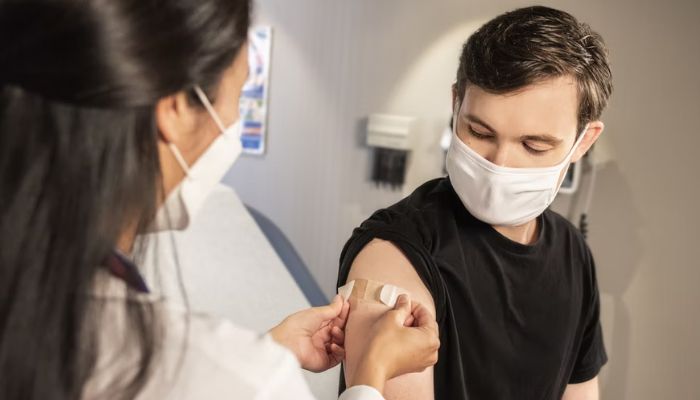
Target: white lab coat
pixel 201 357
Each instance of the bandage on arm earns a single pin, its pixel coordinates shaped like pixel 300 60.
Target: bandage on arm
pixel 381 271
pixel 372 291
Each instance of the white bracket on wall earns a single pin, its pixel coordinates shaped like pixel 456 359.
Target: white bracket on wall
pixel 390 135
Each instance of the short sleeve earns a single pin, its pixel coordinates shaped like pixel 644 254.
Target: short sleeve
pixel 404 231
pixel 591 354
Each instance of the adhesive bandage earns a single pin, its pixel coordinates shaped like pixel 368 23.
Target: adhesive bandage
pixel 365 289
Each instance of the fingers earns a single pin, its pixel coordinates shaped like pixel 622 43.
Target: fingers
pixel 342 319
pixel 410 319
pixel 423 317
pixel 337 336
pixel 402 308
pixel 336 306
pixel 403 302
pixel 337 353
pixel 425 321
pixel 331 311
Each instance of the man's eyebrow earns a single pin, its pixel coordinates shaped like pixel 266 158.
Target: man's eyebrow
pixel 538 137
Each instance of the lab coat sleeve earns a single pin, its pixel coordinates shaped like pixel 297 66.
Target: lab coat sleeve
pixel 361 392
pixel 289 383
pixel 286 381
pixel 201 357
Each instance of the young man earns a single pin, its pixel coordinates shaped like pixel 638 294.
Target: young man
pixel 512 284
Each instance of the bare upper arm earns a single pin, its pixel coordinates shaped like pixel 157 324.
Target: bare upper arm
pixel 382 261
pixel 582 391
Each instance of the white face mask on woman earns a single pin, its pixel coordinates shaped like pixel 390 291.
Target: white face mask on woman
pixel 502 195
pixel 182 204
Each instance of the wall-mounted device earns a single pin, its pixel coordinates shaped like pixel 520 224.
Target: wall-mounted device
pixel 445 142
pixel 390 135
pixel 572 179
pixel 597 157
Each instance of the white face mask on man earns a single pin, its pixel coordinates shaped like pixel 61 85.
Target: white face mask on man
pixel 499 195
pixel 185 200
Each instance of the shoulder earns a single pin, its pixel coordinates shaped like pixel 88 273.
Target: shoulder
pixel 561 232
pixel 414 217
pixel 393 245
pixel 573 247
pixel 427 196
pixel 432 196
pixel 382 261
pixel 561 224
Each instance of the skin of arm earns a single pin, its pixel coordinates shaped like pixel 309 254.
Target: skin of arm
pixel 582 391
pixel 382 261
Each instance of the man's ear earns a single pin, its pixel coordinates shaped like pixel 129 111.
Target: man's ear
pixel 174 118
pixel 593 132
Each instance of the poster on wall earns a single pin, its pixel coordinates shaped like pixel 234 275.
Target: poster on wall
pixel 255 91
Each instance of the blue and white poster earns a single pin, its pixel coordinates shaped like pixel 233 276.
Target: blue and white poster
pixel 255 91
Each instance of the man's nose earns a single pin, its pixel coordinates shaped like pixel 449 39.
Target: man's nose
pixel 499 155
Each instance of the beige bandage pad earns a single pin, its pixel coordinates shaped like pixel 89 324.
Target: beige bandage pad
pixel 365 289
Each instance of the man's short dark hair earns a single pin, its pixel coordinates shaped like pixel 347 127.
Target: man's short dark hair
pixel 532 44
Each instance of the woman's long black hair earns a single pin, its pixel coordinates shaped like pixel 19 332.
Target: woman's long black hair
pixel 79 81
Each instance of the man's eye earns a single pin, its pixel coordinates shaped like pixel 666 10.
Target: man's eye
pixel 478 135
pixel 534 150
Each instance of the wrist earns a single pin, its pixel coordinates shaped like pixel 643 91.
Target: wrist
pixel 278 335
pixel 281 335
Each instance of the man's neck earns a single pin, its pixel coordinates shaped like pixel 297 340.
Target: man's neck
pixel 526 233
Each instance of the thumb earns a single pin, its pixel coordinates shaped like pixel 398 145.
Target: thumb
pixel 402 308
pixel 332 310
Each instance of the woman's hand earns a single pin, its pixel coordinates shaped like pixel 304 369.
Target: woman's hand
pixel 404 340
pixel 315 335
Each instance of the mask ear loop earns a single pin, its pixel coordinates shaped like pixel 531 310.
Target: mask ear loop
pixel 568 159
pixel 178 157
pixel 577 143
pixel 208 106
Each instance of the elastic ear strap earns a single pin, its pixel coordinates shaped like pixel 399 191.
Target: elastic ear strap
pixel 369 290
pixel 207 104
pixel 178 158
pixel 577 143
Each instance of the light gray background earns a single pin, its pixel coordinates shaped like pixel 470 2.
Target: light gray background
pixel 335 62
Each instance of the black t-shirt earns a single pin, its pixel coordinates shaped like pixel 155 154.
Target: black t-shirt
pixel 516 321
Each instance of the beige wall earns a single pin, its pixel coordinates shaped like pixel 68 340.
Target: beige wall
pixel 335 62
